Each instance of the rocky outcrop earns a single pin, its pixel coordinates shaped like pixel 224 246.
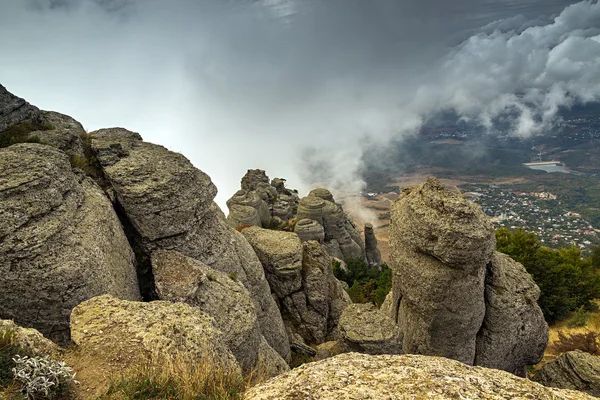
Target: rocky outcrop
pixel 60 241
pixel 308 229
pixel 572 370
pixel 27 339
pixel 371 249
pixel 514 334
pixel 62 132
pixel 182 279
pixel 364 329
pixel 262 203
pixel 14 110
pixel 361 376
pixel 341 238
pixel 131 332
pixel 301 277
pixel 166 203
pixel 453 296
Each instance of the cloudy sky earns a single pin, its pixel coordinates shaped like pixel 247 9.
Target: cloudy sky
pixel 297 87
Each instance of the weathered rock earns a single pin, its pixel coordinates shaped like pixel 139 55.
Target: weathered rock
pixel 387 307
pixel 252 178
pixel 514 333
pixel 439 245
pixel 65 133
pixel 243 216
pixel 364 329
pixel 129 332
pixel 572 370
pixel 371 250
pixel 269 362
pixel 281 256
pixel 61 241
pixel 247 199
pixel 323 194
pixel 308 229
pixel 361 376
pixel 28 339
pixel 339 231
pixel 183 279
pixel 167 203
pixel 327 350
pixel 14 110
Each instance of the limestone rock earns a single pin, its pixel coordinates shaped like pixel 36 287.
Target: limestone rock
pixel 66 133
pixel 572 370
pixel 387 307
pixel 29 339
pixel 240 216
pixel 364 329
pixel 281 256
pixel 361 376
pixel 252 178
pixel 327 350
pixel 14 110
pixel 168 204
pixel 247 207
pixel 371 249
pixel 439 246
pixel 61 241
pixel 269 362
pixel 128 332
pixel 183 279
pixel 514 333
pixel 308 229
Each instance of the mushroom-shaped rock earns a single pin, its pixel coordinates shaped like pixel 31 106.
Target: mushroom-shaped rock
pixel 308 229
pixel 61 241
pixel 183 279
pixel 322 193
pixel 245 199
pixel 440 245
pixel 167 203
pixel 362 376
pixel 514 333
pixel 281 256
pixel 243 216
pixel 572 370
pixel 130 332
pixel 364 329
pixel 371 250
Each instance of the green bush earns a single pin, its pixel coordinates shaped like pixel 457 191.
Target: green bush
pixel 579 319
pixel 365 285
pixel 19 133
pixel 567 280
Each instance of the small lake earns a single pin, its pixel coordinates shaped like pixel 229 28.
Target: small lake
pixel 550 168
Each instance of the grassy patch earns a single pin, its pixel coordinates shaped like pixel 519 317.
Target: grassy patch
pixel 365 285
pixel 177 379
pixel 19 133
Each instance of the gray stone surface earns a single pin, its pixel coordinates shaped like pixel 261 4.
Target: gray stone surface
pixel 371 249
pixel 439 247
pixel 60 241
pixel 14 110
pixel 168 204
pixel 308 229
pixel 572 370
pixel 514 333
pixel 364 329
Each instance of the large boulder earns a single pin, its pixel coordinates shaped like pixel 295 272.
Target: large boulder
pixel 132 332
pixel 62 242
pixel 440 245
pixel 28 339
pixel 364 329
pixel 166 203
pixel 361 376
pixel 572 370
pixel 514 333
pixel 14 110
pixel 184 279
pixel 301 276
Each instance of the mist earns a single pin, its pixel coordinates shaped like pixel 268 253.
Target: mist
pixel 298 87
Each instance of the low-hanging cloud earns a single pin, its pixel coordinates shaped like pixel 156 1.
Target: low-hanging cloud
pixel 297 87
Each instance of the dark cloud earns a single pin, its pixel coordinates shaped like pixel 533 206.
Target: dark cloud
pixel 297 85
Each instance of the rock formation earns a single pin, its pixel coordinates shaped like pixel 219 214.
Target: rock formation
pixel 130 332
pixel 301 277
pixel 361 376
pixel 514 334
pixel 364 329
pixel 28 339
pixel 262 203
pixel 61 241
pixel 308 229
pixel 182 279
pixel 572 370
pixel 372 251
pixel 14 110
pixel 166 203
pixel 448 299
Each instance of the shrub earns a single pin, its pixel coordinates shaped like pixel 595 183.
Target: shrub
pixel 8 350
pixel 42 377
pixel 365 285
pixel 588 342
pixel 579 318
pixel 177 378
pixel 19 133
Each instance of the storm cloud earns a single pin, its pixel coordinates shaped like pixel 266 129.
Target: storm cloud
pixel 298 87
